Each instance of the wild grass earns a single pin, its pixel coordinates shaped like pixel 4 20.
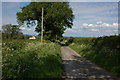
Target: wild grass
pixel 104 51
pixel 31 59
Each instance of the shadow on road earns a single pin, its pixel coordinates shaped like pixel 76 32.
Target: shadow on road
pixel 78 68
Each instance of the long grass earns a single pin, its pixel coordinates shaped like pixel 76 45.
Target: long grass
pixel 31 59
pixel 104 51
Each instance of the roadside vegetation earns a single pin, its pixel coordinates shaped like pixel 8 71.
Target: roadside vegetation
pixel 104 51
pixel 30 59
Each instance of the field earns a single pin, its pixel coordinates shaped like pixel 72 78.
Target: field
pixel 31 59
pixel 104 51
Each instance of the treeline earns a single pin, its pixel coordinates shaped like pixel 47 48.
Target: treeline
pixel 10 31
pixel 104 51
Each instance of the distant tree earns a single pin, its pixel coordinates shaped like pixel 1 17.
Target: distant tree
pixel 20 35
pixel 11 31
pixel 26 36
pixel 58 16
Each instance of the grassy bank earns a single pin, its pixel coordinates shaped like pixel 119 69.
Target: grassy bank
pixel 104 51
pixel 31 59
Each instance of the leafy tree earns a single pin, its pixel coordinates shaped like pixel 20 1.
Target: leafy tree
pixel 57 17
pixel 20 35
pixel 26 36
pixel 11 31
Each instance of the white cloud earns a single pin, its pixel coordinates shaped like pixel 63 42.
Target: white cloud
pixel 29 29
pixel 90 25
pixel 115 24
pixel 70 30
pixel 85 24
pixel 94 29
pixel 105 25
pixel 23 28
pixel 94 19
pixel 99 22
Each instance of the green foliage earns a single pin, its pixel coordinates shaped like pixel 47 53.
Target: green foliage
pixel 11 32
pixel 57 17
pixel 70 41
pixel 31 59
pixel 104 51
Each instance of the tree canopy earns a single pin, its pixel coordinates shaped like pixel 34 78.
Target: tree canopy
pixel 58 16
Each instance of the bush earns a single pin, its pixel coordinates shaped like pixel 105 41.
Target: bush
pixel 104 51
pixel 70 41
pixel 31 59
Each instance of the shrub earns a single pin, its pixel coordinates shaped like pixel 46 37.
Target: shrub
pixel 104 51
pixel 31 59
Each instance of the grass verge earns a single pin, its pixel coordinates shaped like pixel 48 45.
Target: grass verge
pixel 104 51
pixel 31 59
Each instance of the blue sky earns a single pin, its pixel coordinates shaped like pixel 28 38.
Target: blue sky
pixel 92 19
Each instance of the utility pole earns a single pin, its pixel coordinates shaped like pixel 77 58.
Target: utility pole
pixel 42 27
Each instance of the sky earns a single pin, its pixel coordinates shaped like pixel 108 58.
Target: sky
pixel 92 19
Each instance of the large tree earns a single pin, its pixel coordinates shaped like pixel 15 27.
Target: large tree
pixel 57 17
